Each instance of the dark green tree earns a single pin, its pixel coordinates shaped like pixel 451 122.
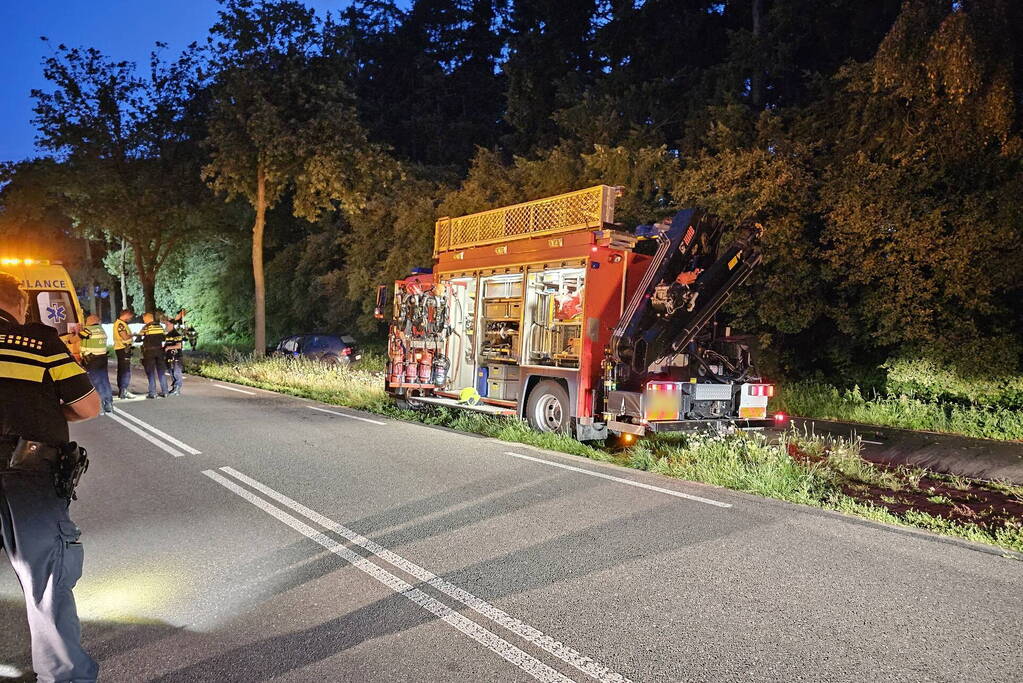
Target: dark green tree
pixel 922 181
pixel 282 121
pixel 126 167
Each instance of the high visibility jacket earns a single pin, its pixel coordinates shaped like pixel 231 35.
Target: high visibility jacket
pixel 152 336
pixel 122 335
pixel 94 340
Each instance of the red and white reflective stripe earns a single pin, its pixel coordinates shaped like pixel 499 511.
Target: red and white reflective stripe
pixel 761 390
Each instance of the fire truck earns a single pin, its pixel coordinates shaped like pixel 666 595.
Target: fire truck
pixel 551 312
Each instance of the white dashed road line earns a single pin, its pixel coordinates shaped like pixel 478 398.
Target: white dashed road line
pixel 470 628
pixel 167 437
pixel 353 417
pixel 566 654
pixel 240 391
pixel 620 480
pixel 876 443
pixel 145 435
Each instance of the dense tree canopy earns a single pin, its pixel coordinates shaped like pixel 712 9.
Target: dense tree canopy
pixel 879 144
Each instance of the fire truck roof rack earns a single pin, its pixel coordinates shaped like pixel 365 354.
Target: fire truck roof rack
pixel 587 209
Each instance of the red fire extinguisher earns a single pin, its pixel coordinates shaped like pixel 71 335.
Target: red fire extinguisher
pixel 412 368
pixel 425 366
pixel 397 370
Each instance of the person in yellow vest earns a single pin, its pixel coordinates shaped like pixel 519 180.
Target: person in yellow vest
pixel 154 360
pixel 122 349
pixel 94 358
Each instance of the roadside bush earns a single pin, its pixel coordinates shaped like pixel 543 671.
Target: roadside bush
pixel 826 402
pixel 928 380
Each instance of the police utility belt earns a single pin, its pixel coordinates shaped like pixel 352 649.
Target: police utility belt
pixel 67 463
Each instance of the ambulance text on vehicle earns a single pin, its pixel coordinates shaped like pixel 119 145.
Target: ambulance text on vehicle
pixel 51 296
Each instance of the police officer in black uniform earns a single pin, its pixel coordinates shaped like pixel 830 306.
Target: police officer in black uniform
pixel 42 388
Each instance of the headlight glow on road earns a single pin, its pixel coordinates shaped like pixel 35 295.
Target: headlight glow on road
pixel 8 671
pixel 130 598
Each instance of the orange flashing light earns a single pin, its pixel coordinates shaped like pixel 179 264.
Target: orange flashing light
pixel 23 262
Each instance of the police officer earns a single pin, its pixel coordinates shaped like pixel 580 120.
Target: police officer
pixel 153 358
pixel 173 346
pixel 42 388
pixel 187 331
pixel 95 357
pixel 123 349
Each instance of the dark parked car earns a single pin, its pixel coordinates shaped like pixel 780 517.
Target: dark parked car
pixel 329 348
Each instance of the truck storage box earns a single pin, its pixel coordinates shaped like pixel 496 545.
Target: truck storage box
pixel 503 309
pixel 503 371
pixel 503 390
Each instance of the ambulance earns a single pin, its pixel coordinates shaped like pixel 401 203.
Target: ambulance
pixel 51 297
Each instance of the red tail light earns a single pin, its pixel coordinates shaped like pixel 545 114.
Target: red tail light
pixel 780 418
pixel 347 351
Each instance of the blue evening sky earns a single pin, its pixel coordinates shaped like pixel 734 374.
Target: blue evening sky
pixel 121 29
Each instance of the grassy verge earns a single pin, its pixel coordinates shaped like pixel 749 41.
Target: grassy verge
pixel 803 468
pixel 826 402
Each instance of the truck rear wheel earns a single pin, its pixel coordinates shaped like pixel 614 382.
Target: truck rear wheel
pixel 547 408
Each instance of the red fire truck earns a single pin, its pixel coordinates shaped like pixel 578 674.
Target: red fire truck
pixel 550 311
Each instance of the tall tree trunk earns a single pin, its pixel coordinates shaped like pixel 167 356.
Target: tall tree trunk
pixel 114 310
pixel 124 284
pixel 147 278
pixel 257 262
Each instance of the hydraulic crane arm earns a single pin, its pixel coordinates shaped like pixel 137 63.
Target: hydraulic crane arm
pixel 687 282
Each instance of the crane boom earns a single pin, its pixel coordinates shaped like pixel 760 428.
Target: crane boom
pixel 688 281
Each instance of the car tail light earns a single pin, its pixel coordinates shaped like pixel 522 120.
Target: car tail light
pixel 347 351
pixel 780 418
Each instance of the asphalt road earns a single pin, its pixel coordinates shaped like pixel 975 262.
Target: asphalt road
pixel 271 539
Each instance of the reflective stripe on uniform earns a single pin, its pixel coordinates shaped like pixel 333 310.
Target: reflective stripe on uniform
pixel 29 373
pixel 66 370
pixel 32 356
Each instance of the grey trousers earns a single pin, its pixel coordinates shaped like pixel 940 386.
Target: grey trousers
pixel 42 544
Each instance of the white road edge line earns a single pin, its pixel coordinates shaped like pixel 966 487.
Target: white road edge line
pixel 488 639
pixel 146 435
pixel 620 480
pixel 240 391
pixel 353 417
pixel 566 654
pixel 180 444
pixel 876 443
